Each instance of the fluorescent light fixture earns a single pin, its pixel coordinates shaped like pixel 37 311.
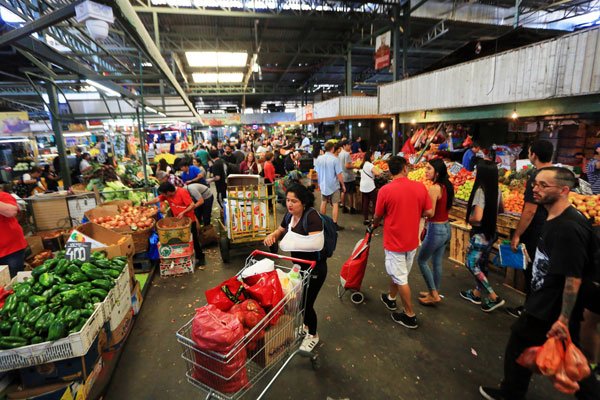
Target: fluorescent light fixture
pixel 77 134
pixel 150 110
pixel 222 77
pixel 10 17
pixel 162 114
pixel 216 58
pixel 147 64
pixel 14 140
pixel 107 91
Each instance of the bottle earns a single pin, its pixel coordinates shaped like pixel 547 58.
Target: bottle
pixel 295 272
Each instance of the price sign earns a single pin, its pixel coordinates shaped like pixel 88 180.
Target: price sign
pixel 455 168
pixel 78 251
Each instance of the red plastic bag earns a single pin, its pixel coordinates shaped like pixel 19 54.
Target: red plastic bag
pixel 266 289
pixel 563 383
pixel 528 357
pixel 216 331
pixel 226 294
pixel 550 357
pixel 575 364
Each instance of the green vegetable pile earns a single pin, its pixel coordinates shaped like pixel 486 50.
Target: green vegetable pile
pixel 118 191
pixel 57 300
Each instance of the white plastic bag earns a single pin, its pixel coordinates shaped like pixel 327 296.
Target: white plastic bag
pixel 264 265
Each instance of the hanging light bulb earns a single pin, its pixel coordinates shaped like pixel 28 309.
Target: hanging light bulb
pixel 514 114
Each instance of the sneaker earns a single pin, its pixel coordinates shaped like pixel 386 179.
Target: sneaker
pixel 489 305
pixel 491 393
pixel 367 222
pixel 405 320
pixel 515 311
pixel 339 228
pixel 469 296
pixel 200 261
pixel 345 210
pixel 353 211
pixel 303 330
pixel 309 342
pixel 389 304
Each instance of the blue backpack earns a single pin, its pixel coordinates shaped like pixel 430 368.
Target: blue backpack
pixel 329 231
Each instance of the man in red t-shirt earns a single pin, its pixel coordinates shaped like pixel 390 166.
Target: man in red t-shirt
pixel 402 203
pixel 181 204
pixel 12 240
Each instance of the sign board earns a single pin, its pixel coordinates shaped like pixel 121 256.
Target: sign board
pixel 79 205
pixel 78 251
pixel 383 50
pixel 308 112
pixel 14 122
pixel 455 168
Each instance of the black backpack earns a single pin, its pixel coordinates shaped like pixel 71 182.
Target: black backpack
pixel 329 231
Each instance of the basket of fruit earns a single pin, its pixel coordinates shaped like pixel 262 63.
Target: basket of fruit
pixel 135 221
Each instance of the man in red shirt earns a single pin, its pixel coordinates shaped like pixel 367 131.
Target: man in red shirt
pixel 181 204
pixel 402 203
pixel 12 240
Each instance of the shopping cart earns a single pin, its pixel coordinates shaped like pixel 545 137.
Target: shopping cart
pixel 209 370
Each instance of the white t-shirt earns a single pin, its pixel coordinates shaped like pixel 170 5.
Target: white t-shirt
pixel 367 181
pixel 83 165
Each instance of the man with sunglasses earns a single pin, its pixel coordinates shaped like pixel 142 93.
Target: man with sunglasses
pixel 561 263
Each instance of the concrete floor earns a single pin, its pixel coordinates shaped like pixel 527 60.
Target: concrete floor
pixel 364 354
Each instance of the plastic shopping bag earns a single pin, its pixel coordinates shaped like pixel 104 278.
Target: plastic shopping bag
pixel 266 289
pixel 511 259
pixel 226 294
pixel 550 356
pixel 216 331
pixel 527 359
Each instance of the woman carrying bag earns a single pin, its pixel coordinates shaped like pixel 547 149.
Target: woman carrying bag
pixel 301 233
pixel 482 213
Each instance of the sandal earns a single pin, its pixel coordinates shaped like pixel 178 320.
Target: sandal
pixel 429 301
pixel 423 294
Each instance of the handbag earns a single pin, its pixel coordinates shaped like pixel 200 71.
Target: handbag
pixel 208 235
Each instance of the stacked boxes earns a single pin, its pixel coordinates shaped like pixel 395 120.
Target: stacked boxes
pixel 176 257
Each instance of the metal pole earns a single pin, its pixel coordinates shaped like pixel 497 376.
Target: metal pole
pixel 405 37
pixel 141 123
pixel 349 71
pixel 396 45
pixel 517 14
pixel 395 135
pixel 58 136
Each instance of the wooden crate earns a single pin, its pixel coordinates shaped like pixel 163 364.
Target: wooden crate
pixel 459 242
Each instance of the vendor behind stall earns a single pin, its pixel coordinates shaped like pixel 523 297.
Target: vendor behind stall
pixel 181 205
pixel 28 182
pixel 12 240
pixel 468 160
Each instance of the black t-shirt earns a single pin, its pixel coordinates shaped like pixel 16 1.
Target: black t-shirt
pixel 313 224
pixel 289 163
pixel 230 158
pixel 278 163
pixel 562 251
pixel 218 169
pixel 532 234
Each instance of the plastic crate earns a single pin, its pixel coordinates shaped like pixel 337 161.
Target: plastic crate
pixel 176 266
pixel 176 250
pixel 115 294
pixel 75 345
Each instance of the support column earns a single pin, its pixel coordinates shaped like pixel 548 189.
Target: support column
pixel 349 71
pixel 141 123
pixel 58 136
pixel 405 37
pixel 396 45
pixel 517 14
pixel 395 127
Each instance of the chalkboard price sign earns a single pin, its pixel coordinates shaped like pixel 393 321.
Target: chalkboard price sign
pixel 78 251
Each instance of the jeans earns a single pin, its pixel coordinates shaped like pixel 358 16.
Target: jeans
pixel 477 260
pixel 368 198
pixel 15 262
pixel 433 247
pixel 527 332
pixel 204 212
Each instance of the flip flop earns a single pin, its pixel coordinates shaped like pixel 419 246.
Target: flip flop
pixel 429 302
pixel 423 294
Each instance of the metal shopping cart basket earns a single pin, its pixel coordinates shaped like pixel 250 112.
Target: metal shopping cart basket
pixel 276 343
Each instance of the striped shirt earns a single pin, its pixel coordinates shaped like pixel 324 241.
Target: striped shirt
pixel 593 174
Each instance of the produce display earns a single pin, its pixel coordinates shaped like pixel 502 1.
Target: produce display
pixel 99 175
pixel 589 205
pixel 133 217
pixel 57 300
pixel 132 175
pixel 419 176
pixel 118 191
pixel 24 166
pixel 357 159
pixel 381 164
pixel 40 258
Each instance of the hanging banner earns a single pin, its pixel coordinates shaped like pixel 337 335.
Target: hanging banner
pixel 221 119
pixel 14 122
pixel 382 50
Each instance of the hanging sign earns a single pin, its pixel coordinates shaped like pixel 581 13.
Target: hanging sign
pixel 14 122
pixel 308 112
pixel 383 50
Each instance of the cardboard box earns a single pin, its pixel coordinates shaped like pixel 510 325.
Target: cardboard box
pixel 4 275
pixel 121 309
pixel 176 266
pixel 278 339
pixel 113 244
pixel 102 211
pixel 35 244
pixel 72 369
pixel 120 333
pixel 176 250
pixel 136 298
